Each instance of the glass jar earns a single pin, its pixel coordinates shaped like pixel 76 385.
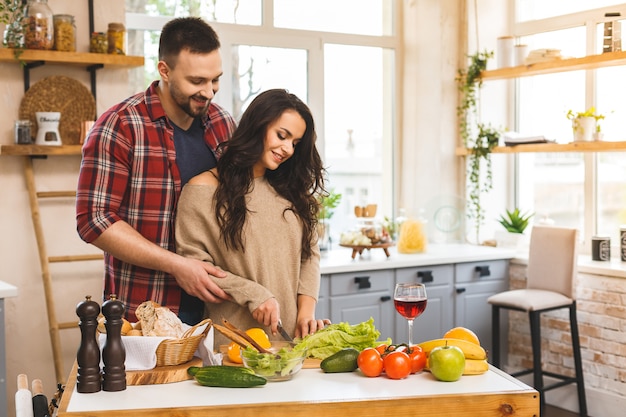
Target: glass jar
pixel 22 132
pixel 116 35
pixel 64 33
pixel 40 26
pixel 98 44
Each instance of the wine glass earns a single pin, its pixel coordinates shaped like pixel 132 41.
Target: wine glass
pixel 410 301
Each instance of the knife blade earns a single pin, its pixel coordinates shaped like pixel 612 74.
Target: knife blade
pixel 283 333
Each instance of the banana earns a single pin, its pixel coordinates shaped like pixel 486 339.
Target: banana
pixel 475 366
pixel 470 350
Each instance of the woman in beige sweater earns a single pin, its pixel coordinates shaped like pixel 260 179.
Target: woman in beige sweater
pixel 254 216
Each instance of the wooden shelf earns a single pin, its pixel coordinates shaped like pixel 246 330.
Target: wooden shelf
pixel 608 59
pixel 39 150
pixel 600 146
pixel 71 58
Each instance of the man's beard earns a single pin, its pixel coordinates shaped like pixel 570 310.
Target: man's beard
pixel 185 102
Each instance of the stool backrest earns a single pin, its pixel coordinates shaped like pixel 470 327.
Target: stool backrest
pixel 552 259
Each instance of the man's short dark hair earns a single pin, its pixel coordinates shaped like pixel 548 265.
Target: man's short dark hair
pixel 190 33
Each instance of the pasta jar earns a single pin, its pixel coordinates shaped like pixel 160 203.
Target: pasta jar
pixel 98 44
pixel 64 33
pixel 39 33
pixel 116 35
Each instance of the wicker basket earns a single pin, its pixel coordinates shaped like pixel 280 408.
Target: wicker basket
pixel 178 351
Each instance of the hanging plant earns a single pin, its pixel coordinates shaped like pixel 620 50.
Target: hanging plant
pixel 479 138
pixel 13 15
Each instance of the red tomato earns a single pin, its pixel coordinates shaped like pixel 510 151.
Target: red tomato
pixel 382 348
pixel 370 362
pixel 397 365
pixel 418 359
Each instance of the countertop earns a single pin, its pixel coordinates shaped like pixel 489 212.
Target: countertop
pixel 339 259
pixel 7 290
pixel 312 392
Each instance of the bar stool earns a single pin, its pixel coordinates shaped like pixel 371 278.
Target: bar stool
pixel 550 286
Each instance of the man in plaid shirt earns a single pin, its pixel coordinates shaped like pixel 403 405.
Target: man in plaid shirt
pixel 137 158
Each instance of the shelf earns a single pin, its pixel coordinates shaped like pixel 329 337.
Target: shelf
pixel 39 150
pixel 608 59
pixel 71 58
pixel 599 146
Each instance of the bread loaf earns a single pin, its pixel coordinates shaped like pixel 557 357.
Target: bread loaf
pixel 157 320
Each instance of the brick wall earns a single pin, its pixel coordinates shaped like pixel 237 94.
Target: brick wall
pixel 602 326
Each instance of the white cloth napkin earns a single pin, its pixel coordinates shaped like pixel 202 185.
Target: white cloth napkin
pixel 141 351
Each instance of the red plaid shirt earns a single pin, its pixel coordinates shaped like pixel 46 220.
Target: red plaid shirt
pixel 129 172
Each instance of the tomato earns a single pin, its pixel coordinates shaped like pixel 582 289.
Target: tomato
pixel 370 362
pixel 397 365
pixel 382 348
pixel 418 359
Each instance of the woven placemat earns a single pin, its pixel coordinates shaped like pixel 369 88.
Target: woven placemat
pixel 60 94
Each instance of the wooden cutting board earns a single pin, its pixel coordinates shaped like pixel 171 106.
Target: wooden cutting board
pixel 162 374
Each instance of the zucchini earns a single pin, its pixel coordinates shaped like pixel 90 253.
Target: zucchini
pixel 226 376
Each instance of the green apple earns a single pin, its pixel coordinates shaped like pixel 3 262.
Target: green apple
pixel 446 363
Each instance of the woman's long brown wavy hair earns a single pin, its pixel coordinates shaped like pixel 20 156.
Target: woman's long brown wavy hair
pixel 299 179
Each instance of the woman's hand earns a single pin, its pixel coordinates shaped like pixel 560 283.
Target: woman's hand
pixel 310 325
pixel 268 314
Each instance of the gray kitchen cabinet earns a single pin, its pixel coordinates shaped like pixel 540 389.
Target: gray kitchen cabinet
pixel 438 316
pixel 357 296
pixel 322 309
pixel 474 283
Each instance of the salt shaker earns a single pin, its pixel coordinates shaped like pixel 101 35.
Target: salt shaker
pixel 113 352
pixel 88 377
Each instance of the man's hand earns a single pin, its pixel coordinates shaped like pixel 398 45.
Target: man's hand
pixel 193 276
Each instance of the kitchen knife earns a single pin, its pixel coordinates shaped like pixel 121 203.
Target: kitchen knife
pixel 283 333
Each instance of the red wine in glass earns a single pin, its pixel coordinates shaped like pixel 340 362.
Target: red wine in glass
pixel 410 301
pixel 410 308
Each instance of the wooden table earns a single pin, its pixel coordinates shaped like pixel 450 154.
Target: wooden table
pixel 313 393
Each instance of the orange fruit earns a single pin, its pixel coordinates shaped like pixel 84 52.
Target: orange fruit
pixel 462 333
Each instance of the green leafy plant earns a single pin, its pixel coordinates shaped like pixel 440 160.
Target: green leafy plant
pixel 328 202
pixel 479 138
pixel 515 221
pixel 13 14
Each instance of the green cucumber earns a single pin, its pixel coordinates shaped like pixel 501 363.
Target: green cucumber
pixel 341 361
pixel 226 376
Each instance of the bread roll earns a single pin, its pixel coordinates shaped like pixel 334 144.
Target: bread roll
pixel 158 321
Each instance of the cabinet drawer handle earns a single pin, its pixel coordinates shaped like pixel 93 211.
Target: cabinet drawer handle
pixel 461 290
pixel 363 282
pixel 385 298
pixel 425 276
pixel 483 271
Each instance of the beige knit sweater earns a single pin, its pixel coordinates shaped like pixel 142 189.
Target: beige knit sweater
pixel 270 266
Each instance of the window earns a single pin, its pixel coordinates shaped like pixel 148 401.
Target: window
pixel 344 69
pixel 583 190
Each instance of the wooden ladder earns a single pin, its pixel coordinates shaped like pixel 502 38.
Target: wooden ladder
pixel 44 260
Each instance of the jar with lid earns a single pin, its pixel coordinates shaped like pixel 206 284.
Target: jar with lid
pixel 116 35
pixel 64 33
pixel 22 132
pixel 98 44
pixel 40 26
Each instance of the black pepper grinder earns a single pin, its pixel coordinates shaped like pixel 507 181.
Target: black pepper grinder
pixel 88 377
pixel 113 352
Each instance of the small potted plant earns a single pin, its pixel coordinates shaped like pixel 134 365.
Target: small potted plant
pixel 585 124
pixel 515 223
pixel 328 203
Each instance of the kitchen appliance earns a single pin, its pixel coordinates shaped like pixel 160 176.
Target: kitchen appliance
pixel 48 128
